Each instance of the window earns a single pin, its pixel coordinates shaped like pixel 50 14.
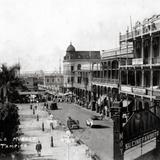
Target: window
pixel 47 80
pixel 79 67
pixel 72 68
pixel 53 80
pixel 79 79
pixel 68 80
pixel 72 79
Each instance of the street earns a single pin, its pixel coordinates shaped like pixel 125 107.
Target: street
pixel 100 139
pixel 64 147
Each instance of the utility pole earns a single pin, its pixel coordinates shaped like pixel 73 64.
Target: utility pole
pixel 60 65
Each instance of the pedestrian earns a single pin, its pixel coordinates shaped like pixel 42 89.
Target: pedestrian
pixel 33 111
pixel 42 126
pixel 37 117
pixel 38 148
pixel 52 145
pixel 51 125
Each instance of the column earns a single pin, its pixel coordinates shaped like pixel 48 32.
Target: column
pixel 127 75
pixel 135 72
pixel 135 104
pixel 111 71
pixel 120 77
pixel 151 50
pixel 134 48
pixel 142 48
pixel 151 82
pixel 143 77
pixel 118 153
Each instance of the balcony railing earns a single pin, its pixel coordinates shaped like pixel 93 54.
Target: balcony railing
pixel 146 61
pixel 133 89
pixel 105 80
pixel 137 61
pixel 124 62
pixel 129 62
pixel 143 29
pixel 156 60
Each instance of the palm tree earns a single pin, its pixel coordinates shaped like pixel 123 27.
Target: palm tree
pixel 9 81
pixel 9 117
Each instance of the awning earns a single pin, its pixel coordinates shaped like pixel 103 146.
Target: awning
pixel 126 103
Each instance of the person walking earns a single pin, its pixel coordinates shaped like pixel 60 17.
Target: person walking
pixel 38 148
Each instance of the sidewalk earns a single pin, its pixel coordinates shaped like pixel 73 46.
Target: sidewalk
pixel 65 148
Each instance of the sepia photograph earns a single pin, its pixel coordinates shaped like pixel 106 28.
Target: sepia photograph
pixel 79 80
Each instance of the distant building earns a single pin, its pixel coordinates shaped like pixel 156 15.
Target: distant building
pixel 30 82
pixel 53 82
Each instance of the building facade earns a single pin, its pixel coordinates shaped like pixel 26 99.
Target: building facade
pixel 77 66
pixel 52 82
pixel 105 81
pixel 140 80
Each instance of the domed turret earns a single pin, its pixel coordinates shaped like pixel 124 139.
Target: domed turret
pixel 71 48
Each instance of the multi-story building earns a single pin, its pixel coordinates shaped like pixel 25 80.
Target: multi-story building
pixel 105 73
pixel 140 80
pixel 77 71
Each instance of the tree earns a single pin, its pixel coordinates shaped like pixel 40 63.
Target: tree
pixel 9 122
pixel 9 81
pixel 9 117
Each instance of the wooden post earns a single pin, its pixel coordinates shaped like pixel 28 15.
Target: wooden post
pixel 117 138
pixel 52 145
pixel 42 126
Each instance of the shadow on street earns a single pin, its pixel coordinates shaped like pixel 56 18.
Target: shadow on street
pixel 100 126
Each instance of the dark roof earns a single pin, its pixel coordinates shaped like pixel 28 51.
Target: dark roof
pixel 83 55
pixel 70 48
pixel 87 55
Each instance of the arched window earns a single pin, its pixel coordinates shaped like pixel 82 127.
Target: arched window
pixel 146 106
pixel 114 65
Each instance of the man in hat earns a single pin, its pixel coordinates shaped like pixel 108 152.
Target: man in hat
pixel 38 148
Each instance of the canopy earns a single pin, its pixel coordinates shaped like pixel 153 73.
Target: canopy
pixel 126 103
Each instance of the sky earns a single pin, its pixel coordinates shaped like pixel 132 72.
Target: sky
pixel 36 33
